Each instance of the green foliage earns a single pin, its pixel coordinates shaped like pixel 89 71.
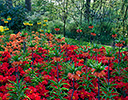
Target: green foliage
pixel 58 91
pixel 2 7
pixel 108 91
pixel 17 15
pixel 94 64
pixel 70 68
pixel 103 31
pixel 17 90
pixel 86 80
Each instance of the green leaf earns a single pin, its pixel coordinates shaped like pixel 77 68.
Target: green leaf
pixel 64 88
pixel 53 82
pixel 54 87
pixel 63 84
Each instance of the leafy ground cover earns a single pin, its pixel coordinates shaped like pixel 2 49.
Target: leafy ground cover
pixel 38 65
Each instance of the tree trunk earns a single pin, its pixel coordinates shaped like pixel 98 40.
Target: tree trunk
pixel 64 24
pixel 65 15
pixel 28 4
pixel 88 9
pixel 125 15
pixel 81 18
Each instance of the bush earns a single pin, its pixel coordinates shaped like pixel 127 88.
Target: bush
pixel 71 31
pixel 103 31
pixel 17 15
pixel 52 24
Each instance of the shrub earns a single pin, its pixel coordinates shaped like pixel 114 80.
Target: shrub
pixel 17 15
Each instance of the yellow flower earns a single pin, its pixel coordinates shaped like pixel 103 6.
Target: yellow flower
pixel 1 28
pixel 38 23
pixel 5 21
pixel 45 20
pixel 9 18
pixel 41 30
pixel 30 24
pixel 6 29
pixel 37 32
pixel 26 23
pixel 44 24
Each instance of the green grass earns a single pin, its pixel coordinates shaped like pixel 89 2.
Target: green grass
pixel 84 43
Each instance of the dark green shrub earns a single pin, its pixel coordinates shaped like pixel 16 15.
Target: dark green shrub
pixel 103 31
pixel 17 15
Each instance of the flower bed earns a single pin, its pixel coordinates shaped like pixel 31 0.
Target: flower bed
pixel 42 66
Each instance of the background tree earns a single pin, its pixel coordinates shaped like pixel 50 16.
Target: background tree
pixel 9 3
pixel 28 4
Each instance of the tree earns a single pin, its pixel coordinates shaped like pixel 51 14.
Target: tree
pixel 79 5
pixel 9 3
pixel 28 4
pixel 88 9
pixel 62 8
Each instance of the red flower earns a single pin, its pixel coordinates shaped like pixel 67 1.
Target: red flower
pixel 41 89
pixel 74 97
pixel 123 42
pixel 34 96
pixel 94 34
pixel 119 44
pixel 126 98
pixel 31 90
pixel 5 96
pixel 105 61
pixel 57 29
pixel 114 35
pixel 107 68
pixel 1 79
pixel 2 19
pixel 79 30
pixel 27 79
pixel 90 27
pixel 82 93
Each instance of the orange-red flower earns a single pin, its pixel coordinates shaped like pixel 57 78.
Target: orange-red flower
pixel 12 37
pixel 57 29
pixel 75 76
pixel 79 30
pixel 70 75
pixel 98 74
pixel 114 35
pixel 16 63
pixel 2 19
pixel 94 34
pixel 123 42
pixel 86 54
pixel 96 50
pixel 60 40
pixel 109 58
pixel 78 73
pixel 32 48
pixel 90 27
pixel 119 44
pixel 57 59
